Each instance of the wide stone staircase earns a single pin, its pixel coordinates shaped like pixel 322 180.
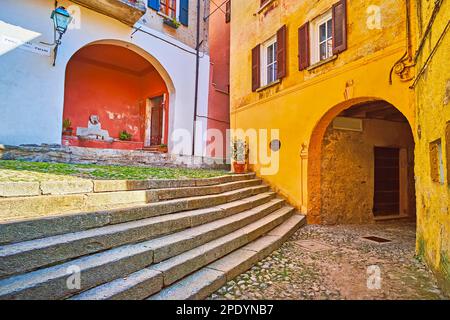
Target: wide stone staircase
pixel 185 241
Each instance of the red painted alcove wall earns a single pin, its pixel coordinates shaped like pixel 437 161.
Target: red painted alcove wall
pixel 112 82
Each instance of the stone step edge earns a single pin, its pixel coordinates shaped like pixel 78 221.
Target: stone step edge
pixel 180 266
pixel 203 283
pixel 51 204
pixel 103 267
pixel 77 186
pixel 14 208
pixel 135 196
pixel 29 229
pixel 30 255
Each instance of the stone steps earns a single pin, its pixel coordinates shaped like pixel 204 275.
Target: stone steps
pixel 211 278
pixel 180 253
pixel 29 255
pixel 208 233
pixel 107 193
pixel 148 281
pixel 50 226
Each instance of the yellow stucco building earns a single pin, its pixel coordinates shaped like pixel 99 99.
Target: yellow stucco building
pixel 432 87
pixel 336 78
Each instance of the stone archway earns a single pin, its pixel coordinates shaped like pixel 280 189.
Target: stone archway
pixel 114 87
pixel 348 179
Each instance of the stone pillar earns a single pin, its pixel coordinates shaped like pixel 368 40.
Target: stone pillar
pixel 304 178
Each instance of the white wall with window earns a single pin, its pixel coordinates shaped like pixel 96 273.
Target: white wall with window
pixel 32 91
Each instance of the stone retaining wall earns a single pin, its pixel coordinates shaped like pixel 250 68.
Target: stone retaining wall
pixel 77 155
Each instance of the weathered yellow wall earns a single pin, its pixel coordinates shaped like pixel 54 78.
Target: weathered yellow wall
pixel 297 104
pixel 347 175
pixel 433 114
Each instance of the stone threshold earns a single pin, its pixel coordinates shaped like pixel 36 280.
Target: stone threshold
pixel 392 217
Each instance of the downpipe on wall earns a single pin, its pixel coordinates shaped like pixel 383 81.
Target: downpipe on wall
pixel 403 64
pixel 197 74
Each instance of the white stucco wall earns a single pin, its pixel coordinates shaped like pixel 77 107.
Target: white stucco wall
pixel 32 91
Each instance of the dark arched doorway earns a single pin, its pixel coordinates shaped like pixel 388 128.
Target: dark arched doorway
pixel 361 165
pixel 114 99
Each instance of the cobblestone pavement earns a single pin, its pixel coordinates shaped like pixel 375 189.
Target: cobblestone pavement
pixel 335 263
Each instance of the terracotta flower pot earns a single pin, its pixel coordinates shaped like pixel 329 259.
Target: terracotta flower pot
pixel 68 132
pixel 163 149
pixel 239 168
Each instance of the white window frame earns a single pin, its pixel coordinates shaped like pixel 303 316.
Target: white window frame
pixel 264 65
pixel 177 13
pixel 315 36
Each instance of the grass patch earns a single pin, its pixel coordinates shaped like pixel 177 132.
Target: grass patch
pixel 99 172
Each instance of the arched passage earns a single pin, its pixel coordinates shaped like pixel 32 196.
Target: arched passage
pixel 116 97
pixel 361 164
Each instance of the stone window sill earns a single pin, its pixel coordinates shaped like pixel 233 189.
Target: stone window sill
pixel 321 63
pixel 166 16
pixel 268 85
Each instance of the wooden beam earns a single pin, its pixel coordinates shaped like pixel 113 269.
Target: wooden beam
pixel 383 112
pixel 362 109
pixel 397 118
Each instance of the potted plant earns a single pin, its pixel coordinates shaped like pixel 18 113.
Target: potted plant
pixel 163 148
pixel 67 127
pixel 125 136
pixel 172 23
pixel 239 155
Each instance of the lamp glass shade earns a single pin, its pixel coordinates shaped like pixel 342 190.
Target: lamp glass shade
pixel 61 18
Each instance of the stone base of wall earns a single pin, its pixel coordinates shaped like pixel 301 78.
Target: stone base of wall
pixel 77 155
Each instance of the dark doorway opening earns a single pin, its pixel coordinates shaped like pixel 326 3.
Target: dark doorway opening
pixel 387 182
pixel 154 129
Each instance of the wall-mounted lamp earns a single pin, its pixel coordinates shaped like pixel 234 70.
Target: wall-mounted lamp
pixel 61 20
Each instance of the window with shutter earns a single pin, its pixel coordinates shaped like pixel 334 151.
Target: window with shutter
pixel 339 26
pixel 269 60
pixel 256 72
pixel 303 47
pixel 324 37
pixel 171 8
pixel 281 53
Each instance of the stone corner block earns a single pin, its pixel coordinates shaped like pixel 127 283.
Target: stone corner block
pixel 110 185
pixel 19 189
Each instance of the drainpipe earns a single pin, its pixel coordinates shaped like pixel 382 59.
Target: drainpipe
pixel 407 55
pixel 437 7
pixel 197 74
